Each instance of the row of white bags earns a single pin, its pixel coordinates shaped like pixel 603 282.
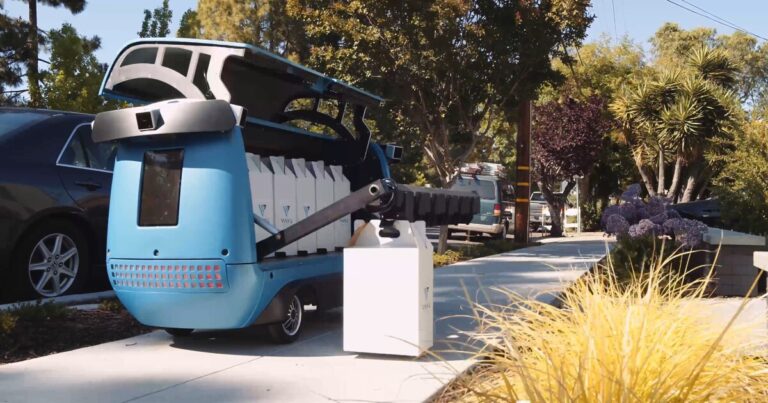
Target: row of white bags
pixel 285 191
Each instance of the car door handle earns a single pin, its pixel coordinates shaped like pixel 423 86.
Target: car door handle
pixel 89 185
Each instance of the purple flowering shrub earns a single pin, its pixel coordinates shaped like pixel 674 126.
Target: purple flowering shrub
pixel 635 219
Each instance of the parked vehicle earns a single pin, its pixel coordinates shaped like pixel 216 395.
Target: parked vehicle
pixel 706 211
pixel 225 211
pixel 497 199
pixel 54 197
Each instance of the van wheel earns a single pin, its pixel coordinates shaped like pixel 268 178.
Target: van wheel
pixel 504 230
pixel 51 260
pixel 288 330
pixel 176 332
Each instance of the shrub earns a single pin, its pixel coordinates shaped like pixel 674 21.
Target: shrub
pixel 7 323
pixel 38 311
pixel 444 259
pixel 636 218
pixel 111 305
pixel 645 342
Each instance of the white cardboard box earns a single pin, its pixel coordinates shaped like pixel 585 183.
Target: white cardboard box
pixel 285 199
pixel 305 201
pixel 388 291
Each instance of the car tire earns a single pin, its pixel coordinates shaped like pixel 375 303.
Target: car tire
pixel 289 330
pixel 51 259
pixel 177 332
pixel 504 231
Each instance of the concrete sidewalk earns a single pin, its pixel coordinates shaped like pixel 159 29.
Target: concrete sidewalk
pixel 244 366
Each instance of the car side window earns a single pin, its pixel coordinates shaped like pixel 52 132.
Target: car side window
pixel 74 154
pixel 100 155
pixel 82 152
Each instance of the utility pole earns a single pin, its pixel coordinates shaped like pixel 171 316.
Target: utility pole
pixel 523 157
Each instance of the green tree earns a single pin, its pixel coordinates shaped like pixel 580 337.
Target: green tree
pixel 567 139
pixel 156 23
pixel 678 117
pixel 600 68
pixel 258 22
pixel 34 40
pixel 189 26
pixel 672 44
pixel 14 53
pixel 447 67
pixel 74 77
pixel 742 185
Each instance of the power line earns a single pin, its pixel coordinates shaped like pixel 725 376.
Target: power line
pixel 723 20
pixel 714 18
pixel 613 7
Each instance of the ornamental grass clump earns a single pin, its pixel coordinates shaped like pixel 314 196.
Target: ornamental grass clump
pixel 646 342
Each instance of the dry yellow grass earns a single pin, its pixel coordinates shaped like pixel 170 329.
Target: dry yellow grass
pixel 639 342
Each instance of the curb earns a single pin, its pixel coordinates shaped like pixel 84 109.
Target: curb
pixel 75 299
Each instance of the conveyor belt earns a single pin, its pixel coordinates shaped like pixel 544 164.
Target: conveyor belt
pixel 392 202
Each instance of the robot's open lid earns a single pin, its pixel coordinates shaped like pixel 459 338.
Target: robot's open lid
pixel 272 89
pixel 152 70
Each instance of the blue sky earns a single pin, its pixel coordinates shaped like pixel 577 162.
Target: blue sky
pixel 117 21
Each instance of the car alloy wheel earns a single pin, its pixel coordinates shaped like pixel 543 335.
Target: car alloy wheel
pixel 53 265
pixel 292 323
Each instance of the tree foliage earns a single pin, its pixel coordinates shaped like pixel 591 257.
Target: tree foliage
pixel 258 22
pixel 34 40
pixel 189 25
pixel 14 53
pixel 74 76
pixel 156 23
pixel 446 67
pixel 567 139
pixel 742 185
pixel 676 118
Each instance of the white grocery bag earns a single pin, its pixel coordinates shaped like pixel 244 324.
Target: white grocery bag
pixel 285 199
pixel 342 228
pixel 305 202
pixel 388 290
pixel 323 198
pixel 261 180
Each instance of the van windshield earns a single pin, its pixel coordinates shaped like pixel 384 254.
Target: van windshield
pixel 12 120
pixel 484 188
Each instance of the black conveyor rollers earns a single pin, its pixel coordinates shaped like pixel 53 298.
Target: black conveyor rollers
pixel 434 206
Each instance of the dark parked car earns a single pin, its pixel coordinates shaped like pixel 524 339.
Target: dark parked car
pixel 54 200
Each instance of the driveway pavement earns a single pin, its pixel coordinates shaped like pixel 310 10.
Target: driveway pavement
pixel 236 366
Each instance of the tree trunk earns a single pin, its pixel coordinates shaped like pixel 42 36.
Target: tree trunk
pixel 556 205
pixel 645 175
pixel 674 189
pixel 689 188
pixel 442 240
pixel 32 73
pixel 661 180
pixel 555 211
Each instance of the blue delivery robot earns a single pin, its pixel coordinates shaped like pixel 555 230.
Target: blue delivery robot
pixel 184 247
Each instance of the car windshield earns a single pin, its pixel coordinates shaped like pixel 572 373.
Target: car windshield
pixel 12 120
pixel 484 188
pixel 537 196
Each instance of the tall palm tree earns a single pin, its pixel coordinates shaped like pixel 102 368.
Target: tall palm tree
pixel 74 6
pixel 678 116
